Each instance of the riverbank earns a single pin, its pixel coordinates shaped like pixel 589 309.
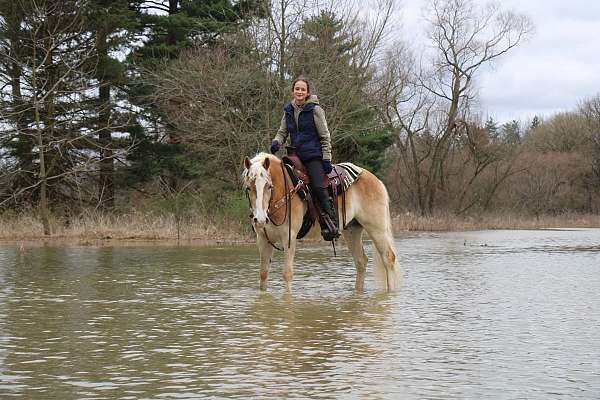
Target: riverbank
pixel 145 228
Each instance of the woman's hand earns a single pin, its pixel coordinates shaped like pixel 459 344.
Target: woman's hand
pixel 327 166
pixel 275 145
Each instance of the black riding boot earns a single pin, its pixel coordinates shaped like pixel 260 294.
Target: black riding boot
pixel 329 229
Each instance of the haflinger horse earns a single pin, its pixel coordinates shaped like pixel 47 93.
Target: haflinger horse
pixel 366 208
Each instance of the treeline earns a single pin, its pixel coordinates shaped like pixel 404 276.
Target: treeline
pixel 119 105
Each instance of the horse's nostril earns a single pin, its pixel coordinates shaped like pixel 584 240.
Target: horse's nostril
pixel 255 219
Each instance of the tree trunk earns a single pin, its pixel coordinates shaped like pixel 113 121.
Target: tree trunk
pixel 106 194
pixel 43 204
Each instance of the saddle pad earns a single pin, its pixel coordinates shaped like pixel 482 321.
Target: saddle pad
pixel 352 173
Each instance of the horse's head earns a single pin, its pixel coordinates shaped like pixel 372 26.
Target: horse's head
pixel 258 185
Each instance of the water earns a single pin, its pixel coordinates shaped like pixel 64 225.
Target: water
pixel 490 314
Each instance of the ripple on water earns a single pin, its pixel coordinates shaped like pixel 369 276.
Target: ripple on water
pixel 493 314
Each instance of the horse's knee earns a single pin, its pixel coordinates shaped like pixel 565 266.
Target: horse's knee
pixel 361 262
pixel 264 274
pixel 391 258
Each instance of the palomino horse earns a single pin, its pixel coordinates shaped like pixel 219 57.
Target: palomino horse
pixel 366 208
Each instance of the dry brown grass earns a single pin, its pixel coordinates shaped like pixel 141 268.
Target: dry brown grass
pixel 449 222
pixel 134 226
pixel 94 227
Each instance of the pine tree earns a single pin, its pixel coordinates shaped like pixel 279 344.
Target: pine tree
pixel 511 132
pixel 113 25
pixel 491 127
pixel 172 26
pixel 326 52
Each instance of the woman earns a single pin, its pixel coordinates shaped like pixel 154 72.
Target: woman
pixel 304 120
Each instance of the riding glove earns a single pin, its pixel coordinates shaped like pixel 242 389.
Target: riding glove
pixel 275 146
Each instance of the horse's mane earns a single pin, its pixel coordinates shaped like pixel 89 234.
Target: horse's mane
pixel 259 158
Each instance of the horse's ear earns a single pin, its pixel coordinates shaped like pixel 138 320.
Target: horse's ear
pixel 247 162
pixel 266 163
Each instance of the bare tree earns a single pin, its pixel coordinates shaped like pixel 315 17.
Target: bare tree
pixel 590 109
pixel 431 101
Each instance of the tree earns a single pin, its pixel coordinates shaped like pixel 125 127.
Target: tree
pixel 430 104
pixel 511 133
pixel 112 23
pixel 563 132
pixel 209 97
pixel 330 54
pixel 590 109
pixel 535 122
pixel 491 127
pixel 52 111
pixel 171 27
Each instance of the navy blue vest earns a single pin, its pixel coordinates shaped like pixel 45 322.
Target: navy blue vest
pixel 304 137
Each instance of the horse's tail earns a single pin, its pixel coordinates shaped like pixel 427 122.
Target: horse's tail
pixel 389 276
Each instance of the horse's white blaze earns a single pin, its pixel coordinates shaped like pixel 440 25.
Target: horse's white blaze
pixel 262 202
pixel 263 194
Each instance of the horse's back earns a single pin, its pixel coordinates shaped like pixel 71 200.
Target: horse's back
pixel 368 189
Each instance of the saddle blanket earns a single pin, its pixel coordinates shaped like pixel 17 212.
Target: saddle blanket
pixel 352 174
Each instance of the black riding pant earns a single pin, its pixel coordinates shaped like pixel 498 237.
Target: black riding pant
pixel 314 167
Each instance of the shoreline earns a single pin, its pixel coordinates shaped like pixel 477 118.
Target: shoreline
pixel 117 231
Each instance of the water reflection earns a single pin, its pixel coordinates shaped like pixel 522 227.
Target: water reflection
pixel 481 315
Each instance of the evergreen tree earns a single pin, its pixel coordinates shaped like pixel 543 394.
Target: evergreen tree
pixel 170 26
pixel 113 25
pixel 491 127
pixel 511 133
pixel 326 52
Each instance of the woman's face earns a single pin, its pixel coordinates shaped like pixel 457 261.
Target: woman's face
pixel 300 92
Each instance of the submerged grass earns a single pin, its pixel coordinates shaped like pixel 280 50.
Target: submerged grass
pixel 138 226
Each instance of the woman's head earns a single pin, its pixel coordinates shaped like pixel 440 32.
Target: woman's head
pixel 300 90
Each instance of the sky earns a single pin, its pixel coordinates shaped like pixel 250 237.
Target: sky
pixel 553 71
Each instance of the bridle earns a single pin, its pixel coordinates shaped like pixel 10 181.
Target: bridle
pixel 273 207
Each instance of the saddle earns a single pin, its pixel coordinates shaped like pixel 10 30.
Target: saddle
pixel 333 182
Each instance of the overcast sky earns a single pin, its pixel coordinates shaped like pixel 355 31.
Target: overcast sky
pixel 553 71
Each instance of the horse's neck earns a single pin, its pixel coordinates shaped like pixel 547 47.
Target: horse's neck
pixel 279 184
pixel 282 185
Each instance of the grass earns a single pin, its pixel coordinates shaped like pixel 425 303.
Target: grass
pixel 134 226
pixel 93 227
pixel 450 222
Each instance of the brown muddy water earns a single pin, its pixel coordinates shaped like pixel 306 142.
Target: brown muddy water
pixel 487 314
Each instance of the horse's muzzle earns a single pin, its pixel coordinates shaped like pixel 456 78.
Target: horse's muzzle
pixel 260 223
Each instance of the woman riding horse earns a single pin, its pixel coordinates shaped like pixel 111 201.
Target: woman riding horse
pixel 278 210
pixel 304 120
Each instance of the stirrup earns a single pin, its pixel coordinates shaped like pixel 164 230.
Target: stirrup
pixel 329 236
pixel 330 231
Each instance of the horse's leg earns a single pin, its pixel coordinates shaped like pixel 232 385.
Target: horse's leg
pixel 386 267
pixel 288 264
pixel 265 251
pixel 353 237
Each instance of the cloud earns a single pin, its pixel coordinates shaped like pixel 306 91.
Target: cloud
pixel 558 67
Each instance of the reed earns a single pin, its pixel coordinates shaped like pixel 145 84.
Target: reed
pixel 450 222
pixel 94 226
pixel 140 226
